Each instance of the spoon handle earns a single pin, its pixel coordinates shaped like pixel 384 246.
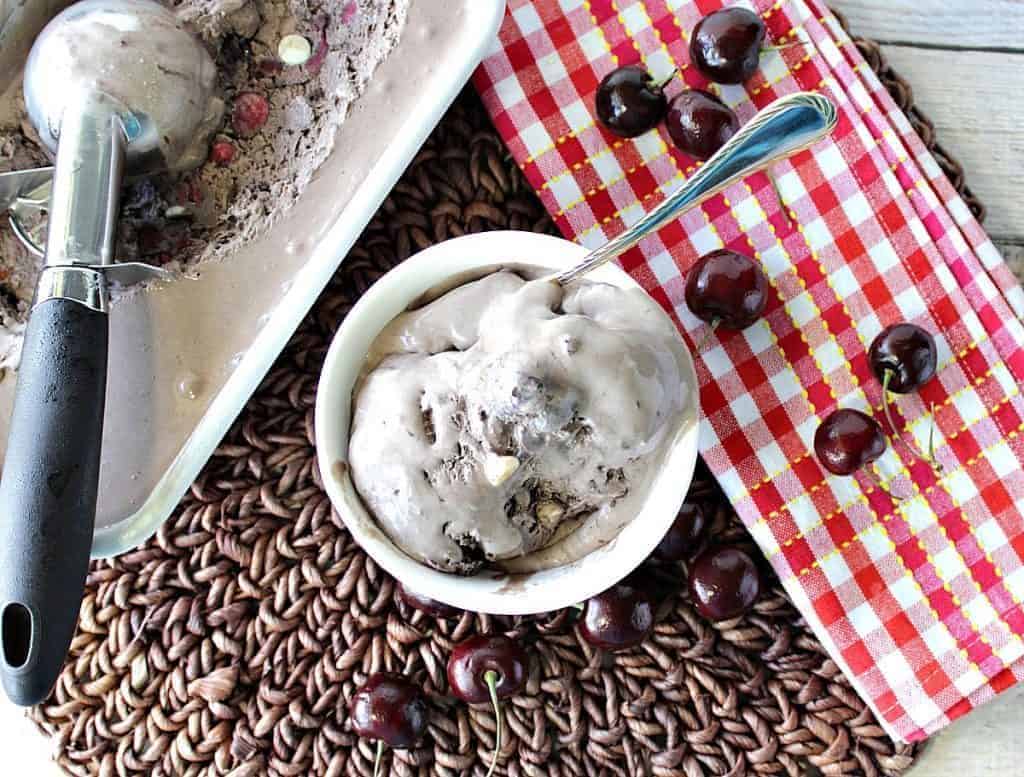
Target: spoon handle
pixel 788 125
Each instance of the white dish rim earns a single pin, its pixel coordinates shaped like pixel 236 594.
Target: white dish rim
pixel 489 591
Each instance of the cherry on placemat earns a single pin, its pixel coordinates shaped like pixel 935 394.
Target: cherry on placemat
pixel 699 123
pixel 849 440
pixel 473 658
pixel 629 102
pixel 488 667
pixel 726 45
pixel 425 604
pixel 618 618
pixel 724 582
pixel 726 289
pixel 683 535
pixel 389 709
pixel 904 358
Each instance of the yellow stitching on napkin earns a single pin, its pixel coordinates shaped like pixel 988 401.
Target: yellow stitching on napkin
pixel 959 392
pixel 859 536
pixel 561 139
pixel 947 586
pixel 887 136
pixel 903 469
pixel 952 360
pixel 881 519
pixel 788 505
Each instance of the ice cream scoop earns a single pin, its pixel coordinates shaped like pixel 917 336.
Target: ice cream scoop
pixel 112 87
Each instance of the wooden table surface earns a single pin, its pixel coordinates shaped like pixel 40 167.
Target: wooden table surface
pixel 965 60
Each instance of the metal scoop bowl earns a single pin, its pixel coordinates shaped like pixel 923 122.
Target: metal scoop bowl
pixel 113 87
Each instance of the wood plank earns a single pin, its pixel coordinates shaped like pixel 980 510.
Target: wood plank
pixel 974 100
pixel 1014 255
pixel 947 23
pixel 986 743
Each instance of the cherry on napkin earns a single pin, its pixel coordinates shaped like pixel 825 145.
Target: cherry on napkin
pixel 918 600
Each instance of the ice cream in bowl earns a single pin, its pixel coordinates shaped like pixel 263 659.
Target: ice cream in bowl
pixel 506 422
pixel 501 442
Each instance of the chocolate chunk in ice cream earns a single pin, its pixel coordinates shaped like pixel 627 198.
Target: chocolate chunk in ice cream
pixel 516 423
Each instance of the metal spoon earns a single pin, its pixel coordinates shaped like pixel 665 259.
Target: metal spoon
pixel 788 125
pixel 112 86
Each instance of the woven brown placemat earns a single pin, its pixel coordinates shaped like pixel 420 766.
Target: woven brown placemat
pixel 233 640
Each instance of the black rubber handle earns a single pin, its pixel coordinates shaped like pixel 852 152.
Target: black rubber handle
pixel 48 492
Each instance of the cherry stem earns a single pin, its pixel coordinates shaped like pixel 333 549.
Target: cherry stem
pixel 781 46
pixel 380 756
pixel 898 435
pixel 664 82
pixel 778 196
pixel 707 335
pixel 870 475
pixel 492 679
pixel 886 379
pixel 931 438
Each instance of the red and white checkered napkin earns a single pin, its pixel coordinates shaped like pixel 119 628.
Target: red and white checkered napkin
pixel 920 601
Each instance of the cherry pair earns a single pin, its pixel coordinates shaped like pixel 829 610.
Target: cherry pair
pixel 392 710
pixel 903 357
pixel 629 102
pixel 724 582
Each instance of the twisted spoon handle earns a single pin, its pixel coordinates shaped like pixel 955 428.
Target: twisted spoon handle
pixel 788 125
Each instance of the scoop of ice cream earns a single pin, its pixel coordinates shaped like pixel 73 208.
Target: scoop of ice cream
pixel 139 56
pixel 505 421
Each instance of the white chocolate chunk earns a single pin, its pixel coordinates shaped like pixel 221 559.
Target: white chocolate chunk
pixel 294 49
pixel 549 512
pixel 498 469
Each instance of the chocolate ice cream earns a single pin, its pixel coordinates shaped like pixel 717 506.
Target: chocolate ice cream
pixel 509 421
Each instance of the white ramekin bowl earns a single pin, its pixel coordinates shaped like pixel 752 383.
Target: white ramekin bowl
pixel 489 591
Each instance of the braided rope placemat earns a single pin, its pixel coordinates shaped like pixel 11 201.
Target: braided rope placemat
pixel 233 640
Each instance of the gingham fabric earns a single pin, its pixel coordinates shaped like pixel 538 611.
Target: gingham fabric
pixel 919 600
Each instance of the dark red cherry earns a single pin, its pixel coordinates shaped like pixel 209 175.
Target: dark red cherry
pixel 425 604
pixel 724 582
pixel 389 709
pixel 472 660
pixel 618 618
pixel 629 102
pixel 699 123
pixel 905 352
pixel 725 45
pixel 848 440
pixel 903 357
pixel 728 289
pixel 683 535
